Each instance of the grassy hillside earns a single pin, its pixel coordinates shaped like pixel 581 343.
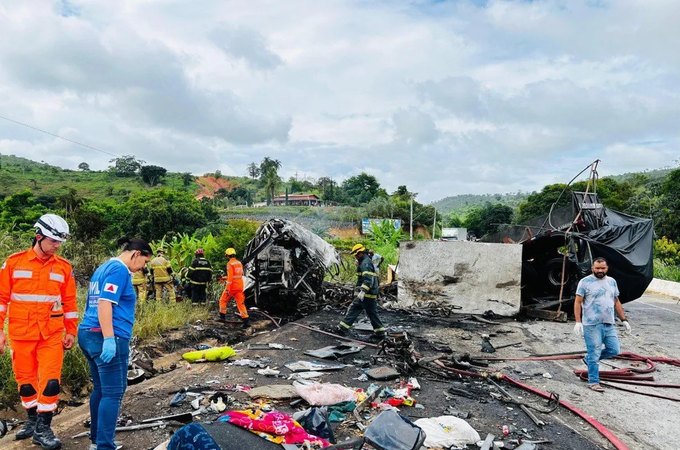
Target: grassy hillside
pixel 19 174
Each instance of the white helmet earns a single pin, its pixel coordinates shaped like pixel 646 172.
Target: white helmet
pixel 52 226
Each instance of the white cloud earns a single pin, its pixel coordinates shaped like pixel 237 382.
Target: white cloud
pixel 445 97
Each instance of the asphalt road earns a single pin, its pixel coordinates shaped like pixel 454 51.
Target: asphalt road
pixel 641 422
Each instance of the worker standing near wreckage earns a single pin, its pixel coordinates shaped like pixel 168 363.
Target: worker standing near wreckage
pixel 162 276
pixel 366 297
pixel 596 302
pixel 38 295
pixel 104 335
pixel 234 288
pixel 199 275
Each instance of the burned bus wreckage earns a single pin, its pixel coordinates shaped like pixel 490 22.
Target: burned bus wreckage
pixel 285 265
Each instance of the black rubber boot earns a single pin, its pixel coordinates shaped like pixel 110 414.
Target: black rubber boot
pixel 44 436
pixel 28 428
pixel 246 322
pixel 223 317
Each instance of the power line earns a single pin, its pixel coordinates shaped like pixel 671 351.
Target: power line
pixel 60 137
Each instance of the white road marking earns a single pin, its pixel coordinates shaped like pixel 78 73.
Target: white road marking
pixel 658 307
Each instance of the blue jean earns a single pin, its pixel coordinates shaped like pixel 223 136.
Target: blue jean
pixel 595 336
pixel 110 383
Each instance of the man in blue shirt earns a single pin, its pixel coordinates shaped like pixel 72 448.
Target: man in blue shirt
pixel 596 302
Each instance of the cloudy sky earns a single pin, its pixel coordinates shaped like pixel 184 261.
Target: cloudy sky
pixel 447 97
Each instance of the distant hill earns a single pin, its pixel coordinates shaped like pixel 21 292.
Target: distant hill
pixel 460 204
pixel 655 174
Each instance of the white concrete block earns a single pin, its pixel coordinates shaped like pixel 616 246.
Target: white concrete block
pixel 474 275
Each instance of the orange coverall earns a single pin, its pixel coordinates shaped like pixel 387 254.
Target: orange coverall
pixel 234 288
pixel 39 297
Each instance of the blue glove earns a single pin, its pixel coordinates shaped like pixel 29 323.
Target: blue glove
pixel 108 349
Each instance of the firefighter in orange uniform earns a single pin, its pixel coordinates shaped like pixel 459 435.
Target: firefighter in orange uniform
pixel 234 288
pixel 38 295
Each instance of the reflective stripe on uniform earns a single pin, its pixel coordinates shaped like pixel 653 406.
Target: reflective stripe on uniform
pixel 344 325
pixel 370 296
pixel 197 282
pixel 71 315
pixel 3 308
pixel 47 407
pixel 56 277
pixel 369 273
pixel 22 274
pixel 30 404
pixel 35 298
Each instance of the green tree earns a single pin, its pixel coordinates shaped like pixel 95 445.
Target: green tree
pixel 538 204
pixel 85 167
pixel 153 214
pixel 253 171
pixel 328 188
pixel 126 166
pixel 20 211
pixel 669 217
pixel 269 176
pixel 152 175
pixel 187 179
pixel 70 201
pixel 488 218
pixel 453 220
pixel 300 186
pixel 360 189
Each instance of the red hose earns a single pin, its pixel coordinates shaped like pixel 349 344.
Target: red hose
pixel 604 431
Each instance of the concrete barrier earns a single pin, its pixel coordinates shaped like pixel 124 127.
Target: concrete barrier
pixel 473 275
pixel 664 287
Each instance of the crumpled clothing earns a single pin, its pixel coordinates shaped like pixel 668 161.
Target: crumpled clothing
pixel 318 394
pixel 274 426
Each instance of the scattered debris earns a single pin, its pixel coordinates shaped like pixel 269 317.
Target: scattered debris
pixel 382 373
pixel 335 351
pixel 305 366
pixel 447 431
pixel 274 391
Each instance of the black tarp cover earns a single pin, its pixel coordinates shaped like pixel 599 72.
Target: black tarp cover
pixel 627 244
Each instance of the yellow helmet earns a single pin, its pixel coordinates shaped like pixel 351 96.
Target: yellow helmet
pixel 358 248
pixel 230 251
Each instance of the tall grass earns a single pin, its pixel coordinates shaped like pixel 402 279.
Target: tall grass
pixel 155 317
pixel 666 271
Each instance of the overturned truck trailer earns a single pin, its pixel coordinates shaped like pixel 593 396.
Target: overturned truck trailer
pixel 534 266
pixel 285 265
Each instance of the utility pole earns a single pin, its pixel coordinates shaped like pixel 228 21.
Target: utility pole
pixel 434 224
pixel 410 225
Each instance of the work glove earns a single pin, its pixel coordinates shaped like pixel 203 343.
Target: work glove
pixel 627 326
pixel 361 295
pixel 578 329
pixel 108 349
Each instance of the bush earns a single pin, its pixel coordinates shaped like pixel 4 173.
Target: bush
pixel 664 271
pixel 667 251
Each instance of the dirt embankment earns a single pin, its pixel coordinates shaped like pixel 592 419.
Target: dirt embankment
pixel 210 185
